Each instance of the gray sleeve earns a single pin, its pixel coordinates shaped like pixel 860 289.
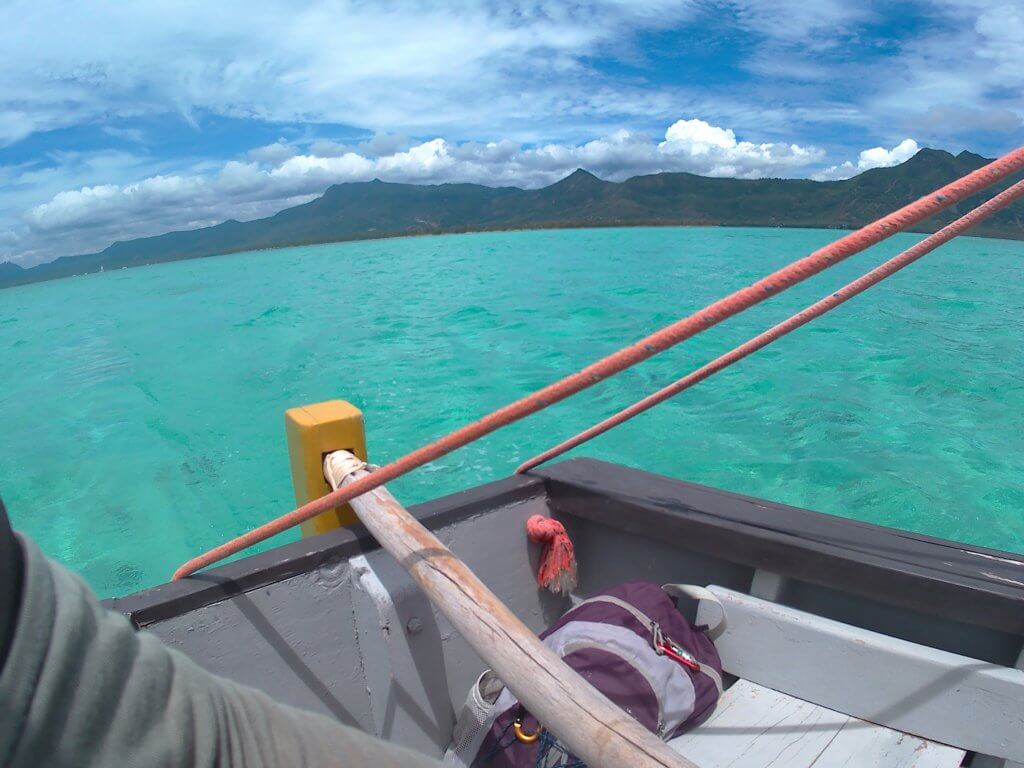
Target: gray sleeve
pixel 11 569
pixel 82 688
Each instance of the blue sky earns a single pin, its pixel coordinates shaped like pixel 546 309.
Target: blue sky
pixel 121 120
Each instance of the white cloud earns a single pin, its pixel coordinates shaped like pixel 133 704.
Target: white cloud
pixel 383 143
pixel 698 136
pixel 957 78
pixel 1001 27
pixel 134 135
pixel 416 65
pixel 328 148
pixel 876 157
pixel 798 20
pixel 23 185
pixel 953 120
pixel 880 157
pixel 528 69
pixel 522 71
pixel 962 75
pixel 274 153
pixel 274 177
pixel 728 157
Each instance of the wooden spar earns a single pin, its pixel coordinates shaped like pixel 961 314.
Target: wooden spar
pixel 588 723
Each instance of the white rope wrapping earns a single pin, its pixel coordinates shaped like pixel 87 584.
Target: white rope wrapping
pixel 340 464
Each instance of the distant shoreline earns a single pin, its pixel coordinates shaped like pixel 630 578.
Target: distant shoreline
pixel 556 227
pixel 488 230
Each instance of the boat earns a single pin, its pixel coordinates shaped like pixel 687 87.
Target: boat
pixel 843 643
pixel 900 632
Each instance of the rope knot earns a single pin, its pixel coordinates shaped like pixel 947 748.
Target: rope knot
pixel 557 569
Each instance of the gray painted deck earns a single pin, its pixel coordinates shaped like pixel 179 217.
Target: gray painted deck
pixel 756 727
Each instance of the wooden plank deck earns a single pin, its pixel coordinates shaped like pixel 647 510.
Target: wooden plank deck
pixel 934 694
pixel 756 727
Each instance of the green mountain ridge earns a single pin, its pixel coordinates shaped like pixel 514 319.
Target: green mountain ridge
pixel 377 209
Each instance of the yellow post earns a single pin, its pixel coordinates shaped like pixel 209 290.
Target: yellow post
pixel 314 431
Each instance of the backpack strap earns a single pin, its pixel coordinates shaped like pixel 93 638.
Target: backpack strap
pixel 694 592
pixel 487 699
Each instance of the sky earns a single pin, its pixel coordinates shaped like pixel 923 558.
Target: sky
pixel 120 120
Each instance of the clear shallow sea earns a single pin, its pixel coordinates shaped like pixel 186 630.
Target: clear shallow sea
pixel 141 410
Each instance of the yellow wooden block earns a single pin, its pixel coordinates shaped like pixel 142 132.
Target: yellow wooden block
pixel 314 431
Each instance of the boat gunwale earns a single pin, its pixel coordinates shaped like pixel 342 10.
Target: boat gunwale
pixel 245 574
pixel 925 574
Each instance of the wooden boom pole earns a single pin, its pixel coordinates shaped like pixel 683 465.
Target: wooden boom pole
pixel 589 724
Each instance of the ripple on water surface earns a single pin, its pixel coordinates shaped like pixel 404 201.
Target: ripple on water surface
pixel 142 408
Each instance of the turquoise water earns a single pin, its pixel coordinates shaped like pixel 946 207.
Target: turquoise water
pixel 142 409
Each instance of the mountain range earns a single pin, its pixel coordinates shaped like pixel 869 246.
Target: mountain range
pixel 375 209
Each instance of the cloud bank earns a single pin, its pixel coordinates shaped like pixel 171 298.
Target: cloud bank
pixel 411 65
pixel 130 119
pixel 282 174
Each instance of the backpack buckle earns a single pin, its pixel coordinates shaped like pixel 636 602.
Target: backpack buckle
pixel 517 728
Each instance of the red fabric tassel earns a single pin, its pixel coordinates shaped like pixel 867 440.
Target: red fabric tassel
pixel 557 570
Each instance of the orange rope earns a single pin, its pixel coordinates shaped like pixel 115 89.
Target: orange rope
pixel 629 356
pixel 801 318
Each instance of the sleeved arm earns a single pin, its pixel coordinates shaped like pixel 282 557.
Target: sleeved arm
pixel 82 688
pixel 10 584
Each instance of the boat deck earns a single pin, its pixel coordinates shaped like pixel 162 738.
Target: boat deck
pixel 756 727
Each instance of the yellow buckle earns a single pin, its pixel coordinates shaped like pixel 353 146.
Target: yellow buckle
pixel 526 738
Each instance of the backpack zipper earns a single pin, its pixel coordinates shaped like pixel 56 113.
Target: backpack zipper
pixel 662 644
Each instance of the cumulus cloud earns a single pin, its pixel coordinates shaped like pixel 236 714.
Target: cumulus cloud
pixel 879 157
pixel 728 157
pixel 278 175
pixel 876 157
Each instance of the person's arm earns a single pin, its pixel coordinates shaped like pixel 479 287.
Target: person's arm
pixel 80 687
pixel 10 583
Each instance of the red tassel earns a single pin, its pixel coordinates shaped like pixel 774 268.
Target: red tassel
pixel 557 570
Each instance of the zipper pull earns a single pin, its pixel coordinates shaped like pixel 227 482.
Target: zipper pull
pixel 681 655
pixel 657 638
pixel 664 647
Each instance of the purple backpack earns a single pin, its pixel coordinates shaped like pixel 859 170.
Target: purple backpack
pixel 632 644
